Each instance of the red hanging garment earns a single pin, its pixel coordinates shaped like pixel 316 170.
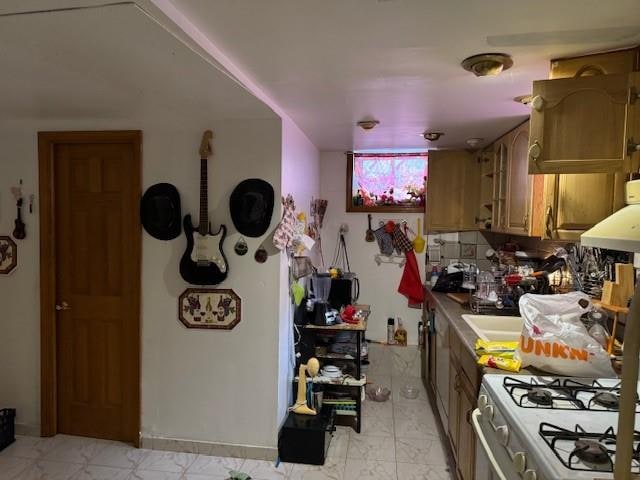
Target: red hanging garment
pixel 411 283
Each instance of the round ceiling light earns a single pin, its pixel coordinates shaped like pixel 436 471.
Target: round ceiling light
pixel 487 64
pixel 474 142
pixel 367 124
pixel 432 136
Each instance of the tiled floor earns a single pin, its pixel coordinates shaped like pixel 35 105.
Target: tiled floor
pixel 399 441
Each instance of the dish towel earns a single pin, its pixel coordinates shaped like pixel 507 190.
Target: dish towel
pixel 411 283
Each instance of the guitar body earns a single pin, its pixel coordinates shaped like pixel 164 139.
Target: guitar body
pixel 203 262
pixel 19 232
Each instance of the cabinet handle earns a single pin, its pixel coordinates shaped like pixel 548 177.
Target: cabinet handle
pixel 456 384
pixel 468 416
pixel 537 103
pixel 535 150
pixel 634 95
pixel 549 222
pixel 632 147
pixel 525 222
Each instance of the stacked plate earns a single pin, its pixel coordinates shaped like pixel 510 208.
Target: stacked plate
pixel 331 371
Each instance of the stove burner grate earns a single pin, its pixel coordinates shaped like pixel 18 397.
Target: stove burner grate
pixel 608 400
pixel 540 396
pixel 567 394
pixel 592 451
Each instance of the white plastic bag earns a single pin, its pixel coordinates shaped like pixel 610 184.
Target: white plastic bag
pixel 555 340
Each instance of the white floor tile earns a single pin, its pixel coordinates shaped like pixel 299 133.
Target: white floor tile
pixel 376 426
pixel 206 465
pixel 96 472
pixel 120 456
pixel 11 467
pixel 333 469
pixel 75 449
pixel 339 444
pixel 363 447
pixel 421 451
pixel 264 470
pixel 47 470
pixel 412 471
pixel 173 462
pixel 370 470
pixel 29 447
pixel 152 475
pixel 377 409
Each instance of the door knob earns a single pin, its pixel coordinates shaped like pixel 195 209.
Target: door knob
pixel 63 306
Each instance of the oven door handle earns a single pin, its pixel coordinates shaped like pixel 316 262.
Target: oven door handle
pixel 475 417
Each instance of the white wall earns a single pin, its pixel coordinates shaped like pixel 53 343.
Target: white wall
pixel 203 385
pixel 301 179
pixel 378 284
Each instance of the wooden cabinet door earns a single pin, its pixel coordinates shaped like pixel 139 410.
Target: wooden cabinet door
pixel 578 125
pixel 452 191
pixel 519 183
pixel 500 169
pixel 466 458
pixel 454 405
pixel 633 123
pixel 576 202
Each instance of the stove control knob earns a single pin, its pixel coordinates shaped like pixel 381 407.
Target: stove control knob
pixel 520 462
pixel 530 475
pixel 482 401
pixel 488 411
pixel 503 435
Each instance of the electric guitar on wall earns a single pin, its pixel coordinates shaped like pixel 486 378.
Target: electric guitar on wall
pixel 204 263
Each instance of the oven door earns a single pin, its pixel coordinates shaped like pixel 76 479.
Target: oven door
pixel 493 462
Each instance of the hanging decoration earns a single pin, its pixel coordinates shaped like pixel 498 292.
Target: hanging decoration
pixel 8 255
pixel 209 308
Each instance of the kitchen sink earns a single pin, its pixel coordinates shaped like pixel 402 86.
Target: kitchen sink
pixel 494 327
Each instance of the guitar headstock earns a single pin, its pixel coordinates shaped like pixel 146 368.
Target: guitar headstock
pixel 206 150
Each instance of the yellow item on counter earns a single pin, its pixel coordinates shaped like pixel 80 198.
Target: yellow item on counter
pixel 498 349
pixel 508 364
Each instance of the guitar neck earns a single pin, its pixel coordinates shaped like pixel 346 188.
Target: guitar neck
pixel 203 226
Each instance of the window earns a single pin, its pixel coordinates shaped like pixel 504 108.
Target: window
pixel 386 182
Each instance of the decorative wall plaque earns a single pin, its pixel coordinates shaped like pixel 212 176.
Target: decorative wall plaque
pixel 215 308
pixel 8 255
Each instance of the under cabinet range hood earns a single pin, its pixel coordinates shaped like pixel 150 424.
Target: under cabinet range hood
pixel 621 230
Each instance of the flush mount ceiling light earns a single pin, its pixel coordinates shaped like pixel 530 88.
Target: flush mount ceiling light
pixel 367 124
pixel 474 142
pixel 432 136
pixel 487 64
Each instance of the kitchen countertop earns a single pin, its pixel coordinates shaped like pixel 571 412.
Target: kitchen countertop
pixel 454 311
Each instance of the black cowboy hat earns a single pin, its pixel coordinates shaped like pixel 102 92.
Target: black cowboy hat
pixel 160 211
pixel 251 206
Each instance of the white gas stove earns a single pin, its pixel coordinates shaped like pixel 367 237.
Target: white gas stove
pixel 548 428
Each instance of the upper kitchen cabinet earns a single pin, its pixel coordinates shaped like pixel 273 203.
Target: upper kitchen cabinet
pixel 583 124
pixel 607 63
pixel 576 202
pixel 452 191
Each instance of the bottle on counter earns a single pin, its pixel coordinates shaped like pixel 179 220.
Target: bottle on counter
pixel 400 336
pixel 391 326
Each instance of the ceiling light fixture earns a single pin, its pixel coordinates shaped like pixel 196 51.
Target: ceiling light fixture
pixel 367 124
pixel 486 64
pixel 474 142
pixel 432 136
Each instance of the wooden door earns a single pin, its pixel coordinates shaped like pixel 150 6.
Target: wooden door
pixel 452 191
pixel 576 202
pixel 96 246
pixel 578 125
pixel 519 183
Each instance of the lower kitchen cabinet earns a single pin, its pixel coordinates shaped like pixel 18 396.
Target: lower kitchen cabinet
pixel 463 390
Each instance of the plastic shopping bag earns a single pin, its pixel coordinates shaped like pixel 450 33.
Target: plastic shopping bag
pixel 555 340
